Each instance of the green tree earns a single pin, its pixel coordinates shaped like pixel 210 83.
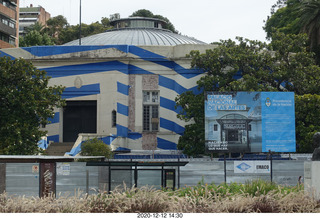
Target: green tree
pixel 105 22
pixel 294 17
pixel 26 102
pixel 72 32
pixel 192 111
pixel 310 23
pixel 59 31
pixel 55 25
pixel 95 147
pixel 284 18
pixel 35 38
pixel 307 117
pixel 36 26
pixel 142 13
pixel 147 13
pixel 246 65
pixel 68 34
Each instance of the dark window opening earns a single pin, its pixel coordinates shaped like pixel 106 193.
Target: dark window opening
pixel 114 118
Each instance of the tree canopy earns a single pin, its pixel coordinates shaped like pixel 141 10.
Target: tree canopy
pixel 95 147
pixel 26 103
pixel 294 17
pixel 284 18
pixel 246 65
pixel 35 38
pixel 310 21
pixel 147 13
pixel 58 31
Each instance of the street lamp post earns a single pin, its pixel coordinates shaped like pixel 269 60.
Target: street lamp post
pixel 80 25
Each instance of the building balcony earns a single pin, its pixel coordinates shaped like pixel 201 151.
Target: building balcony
pixel 8 12
pixel 7 30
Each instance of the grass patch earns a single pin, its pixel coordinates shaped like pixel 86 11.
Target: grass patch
pixel 254 196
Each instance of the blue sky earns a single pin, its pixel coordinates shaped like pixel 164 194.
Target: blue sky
pixel 205 20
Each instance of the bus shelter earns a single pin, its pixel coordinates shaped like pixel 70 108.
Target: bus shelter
pixel 158 174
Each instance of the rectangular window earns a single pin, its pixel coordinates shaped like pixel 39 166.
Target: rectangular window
pixel 5 21
pixel 215 127
pixel 150 111
pixel 12 24
pixel 114 119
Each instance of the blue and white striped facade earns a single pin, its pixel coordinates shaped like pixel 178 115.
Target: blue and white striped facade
pixel 116 76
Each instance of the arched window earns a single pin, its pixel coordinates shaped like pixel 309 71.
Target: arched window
pixel 233 116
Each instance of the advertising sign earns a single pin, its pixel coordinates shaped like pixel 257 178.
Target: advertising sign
pixel 63 169
pixel 250 122
pixel 252 167
pixel 47 179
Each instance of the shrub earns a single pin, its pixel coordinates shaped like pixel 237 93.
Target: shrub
pixel 202 198
pixel 250 188
pixel 95 147
pixel 307 109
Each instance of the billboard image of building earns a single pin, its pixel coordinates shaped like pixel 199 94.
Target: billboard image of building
pixel 249 122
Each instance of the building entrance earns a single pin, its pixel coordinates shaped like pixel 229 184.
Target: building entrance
pixel 79 117
pixel 235 131
pixel 232 135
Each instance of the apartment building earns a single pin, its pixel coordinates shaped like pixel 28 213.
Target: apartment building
pixel 9 23
pixel 31 15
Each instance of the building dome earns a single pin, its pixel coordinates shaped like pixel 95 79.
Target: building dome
pixel 138 31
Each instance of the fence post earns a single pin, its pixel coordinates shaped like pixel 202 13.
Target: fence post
pixel 271 177
pixel 225 168
pixel 87 182
pixel 2 177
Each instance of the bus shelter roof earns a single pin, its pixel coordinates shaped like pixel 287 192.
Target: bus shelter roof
pixel 43 159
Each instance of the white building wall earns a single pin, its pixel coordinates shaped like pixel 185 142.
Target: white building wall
pixel 106 69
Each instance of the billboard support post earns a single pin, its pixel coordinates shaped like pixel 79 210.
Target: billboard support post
pixel 271 177
pixel 270 158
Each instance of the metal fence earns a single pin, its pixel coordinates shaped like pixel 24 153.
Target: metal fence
pixel 285 172
pixel 23 179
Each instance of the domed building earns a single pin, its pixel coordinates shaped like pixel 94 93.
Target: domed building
pixel 121 85
pixel 137 31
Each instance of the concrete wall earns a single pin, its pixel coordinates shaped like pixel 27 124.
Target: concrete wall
pixel 312 178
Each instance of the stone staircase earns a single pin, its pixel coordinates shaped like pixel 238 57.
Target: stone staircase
pixel 59 148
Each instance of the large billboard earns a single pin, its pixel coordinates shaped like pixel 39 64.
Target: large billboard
pixel 250 122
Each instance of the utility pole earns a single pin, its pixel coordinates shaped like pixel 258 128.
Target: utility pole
pixel 80 25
